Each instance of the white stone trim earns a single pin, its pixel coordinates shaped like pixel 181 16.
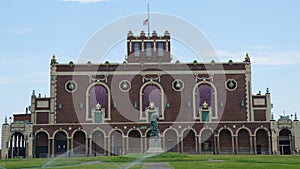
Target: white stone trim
pixel 76 86
pixel 165 72
pixel 235 83
pixel 87 101
pixel 214 94
pixel 162 94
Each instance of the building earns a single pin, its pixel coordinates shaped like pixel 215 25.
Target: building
pixel 102 109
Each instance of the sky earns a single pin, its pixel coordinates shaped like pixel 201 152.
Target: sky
pixel 31 31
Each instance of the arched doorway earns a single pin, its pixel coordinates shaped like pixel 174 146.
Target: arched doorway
pixel 98 146
pixel 225 141
pixel 116 140
pixel 207 141
pixel 60 142
pixel 134 142
pixel 244 145
pixel 262 142
pixel 285 141
pixel 189 142
pixel 41 150
pixel 171 143
pixel 79 146
pixel 17 145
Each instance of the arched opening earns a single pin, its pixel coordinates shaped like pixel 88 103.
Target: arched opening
pixel 17 145
pixel 189 142
pixel 171 143
pixel 134 142
pixel 225 141
pixel 79 146
pixel 98 146
pixel 207 141
pixel 262 142
pixel 243 142
pixel 60 142
pixel 116 140
pixel 98 94
pixel 285 141
pixel 41 150
pixel 205 94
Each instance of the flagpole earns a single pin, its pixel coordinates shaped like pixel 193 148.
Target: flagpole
pixel 148 20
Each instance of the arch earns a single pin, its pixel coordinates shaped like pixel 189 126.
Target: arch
pixel 95 130
pixel 206 138
pixel 98 142
pixel 79 143
pixel 243 143
pixel 134 141
pixel 17 145
pixel 161 108
pixel 106 106
pixel 116 142
pixel 60 142
pixel 189 141
pixel 60 130
pixel 214 100
pixel 225 141
pixel 262 141
pixel 225 128
pixel 45 131
pixel 285 141
pixel 42 144
pixel 137 129
pixel 261 128
pixel 171 140
pixel 72 135
pixel 243 127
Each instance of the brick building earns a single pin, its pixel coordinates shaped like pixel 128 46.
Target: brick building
pixel 101 109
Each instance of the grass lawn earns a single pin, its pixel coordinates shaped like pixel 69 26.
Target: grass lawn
pixel 135 161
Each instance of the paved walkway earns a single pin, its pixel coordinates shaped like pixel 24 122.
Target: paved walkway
pixel 157 165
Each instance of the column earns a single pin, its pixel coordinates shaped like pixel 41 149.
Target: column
pixel 178 145
pixel 91 146
pixel 181 144
pixel 199 142
pixel 236 144
pixel 255 150
pixel 269 144
pixel 53 148
pixel 196 144
pixel 251 144
pixel 70 146
pixel 232 143
pixel 49 148
pixel 218 144
pixel 87 146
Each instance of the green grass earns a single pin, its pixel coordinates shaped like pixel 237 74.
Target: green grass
pixel 177 161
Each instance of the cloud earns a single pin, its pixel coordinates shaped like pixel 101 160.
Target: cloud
pixel 268 57
pixel 85 1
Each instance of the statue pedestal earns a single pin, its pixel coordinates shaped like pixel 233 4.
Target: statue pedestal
pixel 154 146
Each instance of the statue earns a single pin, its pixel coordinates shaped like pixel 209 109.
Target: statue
pixel 154 141
pixel 154 125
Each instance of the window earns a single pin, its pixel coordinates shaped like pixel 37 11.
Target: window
pixel 137 49
pixel 160 46
pixel 148 49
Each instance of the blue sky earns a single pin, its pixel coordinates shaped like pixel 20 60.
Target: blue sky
pixel 32 31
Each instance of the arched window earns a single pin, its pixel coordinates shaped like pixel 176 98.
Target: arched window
pixel 98 93
pixel 205 95
pixel 152 92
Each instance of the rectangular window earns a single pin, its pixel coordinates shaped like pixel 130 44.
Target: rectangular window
pixel 148 49
pixel 160 49
pixel 137 49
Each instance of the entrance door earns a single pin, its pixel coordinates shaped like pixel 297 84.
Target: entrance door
pixel 61 146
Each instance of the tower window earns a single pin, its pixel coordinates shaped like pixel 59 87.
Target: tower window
pixel 148 49
pixel 160 46
pixel 137 49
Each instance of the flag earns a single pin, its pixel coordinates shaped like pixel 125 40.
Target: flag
pixel 145 22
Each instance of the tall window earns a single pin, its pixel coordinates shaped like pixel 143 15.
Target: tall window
pixel 137 49
pixel 148 49
pixel 151 94
pixel 160 46
pixel 98 94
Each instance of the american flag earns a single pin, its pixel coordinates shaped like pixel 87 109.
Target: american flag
pixel 145 22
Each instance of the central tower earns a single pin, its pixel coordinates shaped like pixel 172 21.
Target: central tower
pixel 148 49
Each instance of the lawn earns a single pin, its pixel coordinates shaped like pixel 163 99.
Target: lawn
pixel 136 161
